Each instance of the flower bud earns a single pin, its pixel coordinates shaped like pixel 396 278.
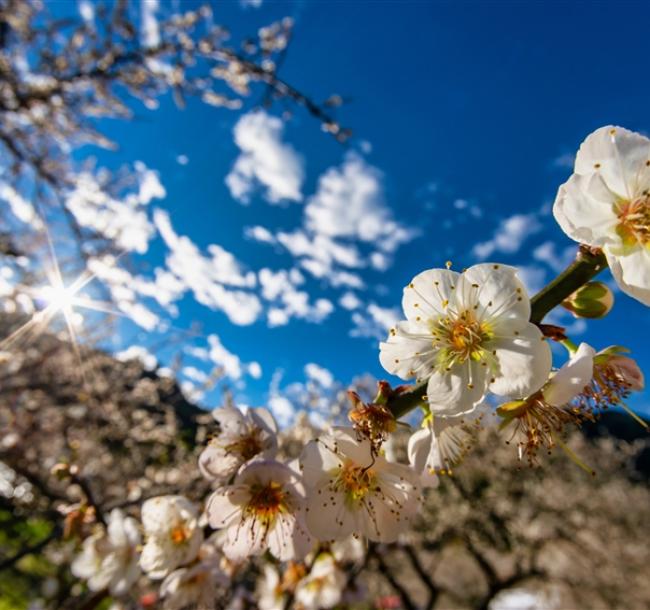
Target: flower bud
pixel 593 300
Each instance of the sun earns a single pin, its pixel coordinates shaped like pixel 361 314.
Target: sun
pixel 58 298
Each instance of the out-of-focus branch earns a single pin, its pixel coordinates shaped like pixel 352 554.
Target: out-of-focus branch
pixel 385 571
pixel 35 548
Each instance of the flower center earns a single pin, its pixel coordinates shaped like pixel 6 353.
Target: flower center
pixel 247 446
pixel 354 481
pixel 460 338
pixel 634 220
pixel 179 534
pixel 267 501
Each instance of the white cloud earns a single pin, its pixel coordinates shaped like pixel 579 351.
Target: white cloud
pixel 350 301
pixel 350 203
pixel 124 290
pixel 255 370
pixel 250 3
pixel 211 279
pixel 282 409
pixel 547 253
pixel 182 159
pixel 222 357
pixel 261 234
pixel 509 236
pixel 565 161
pixel 124 220
pixel 138 352
pixel 265 161
pixel 279 289
pixel 320 375
pixel 191 372
pixel 375 322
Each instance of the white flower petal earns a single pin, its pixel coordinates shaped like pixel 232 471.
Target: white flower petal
pixel 263 419
pixel 225 505
pixel 524 361
pixel 497 291
pixel 457 391
pixel 572 378
pixel 327 516
pixel 632 272
pixel 428 295
pixel 584 209
pixel 616 153
pixel 407 354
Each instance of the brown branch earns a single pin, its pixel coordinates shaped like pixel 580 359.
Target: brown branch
pixel 386 572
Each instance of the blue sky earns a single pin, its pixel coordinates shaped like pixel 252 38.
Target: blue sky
pixel 465 115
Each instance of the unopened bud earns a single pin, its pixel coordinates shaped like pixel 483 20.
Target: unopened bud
pixel 593 300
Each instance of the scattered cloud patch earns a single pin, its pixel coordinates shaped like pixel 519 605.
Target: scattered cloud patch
pixel 564 161
pixel 374 322
pixel 350 203
pixel 320 375
pixel 510 235
pixel 123 220
pixel 279 288
pixel 138 352
pixel 350 301
pixel 265 161
pixel 558 261
pixel 216 281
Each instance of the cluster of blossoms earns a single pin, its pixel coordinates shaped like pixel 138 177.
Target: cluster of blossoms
pixel 469 345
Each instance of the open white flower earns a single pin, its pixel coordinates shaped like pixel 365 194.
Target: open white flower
pixel 353 491
pixel 441 444
pixel 351 549
pixel 173 534
pixel 323 586
pixel 109 559
pixel 197 585
pixel 262 509
pixel 540 418
pixel 606 204
pixel 269 592
pixel 241 438
pixel 467 333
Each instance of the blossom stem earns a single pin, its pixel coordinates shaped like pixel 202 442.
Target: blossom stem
pixel 587 265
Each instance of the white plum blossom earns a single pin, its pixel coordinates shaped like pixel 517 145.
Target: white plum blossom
pixel 269 592
pixel 466 333
pixel 351 549
pixel 173 534
pixel 241 438
pixel 323 586
pixel 606 204
pixel 263 509
pixel 440 444
pixel 351 490
pixel 540 418
pixel 197 584
pixel 109 558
